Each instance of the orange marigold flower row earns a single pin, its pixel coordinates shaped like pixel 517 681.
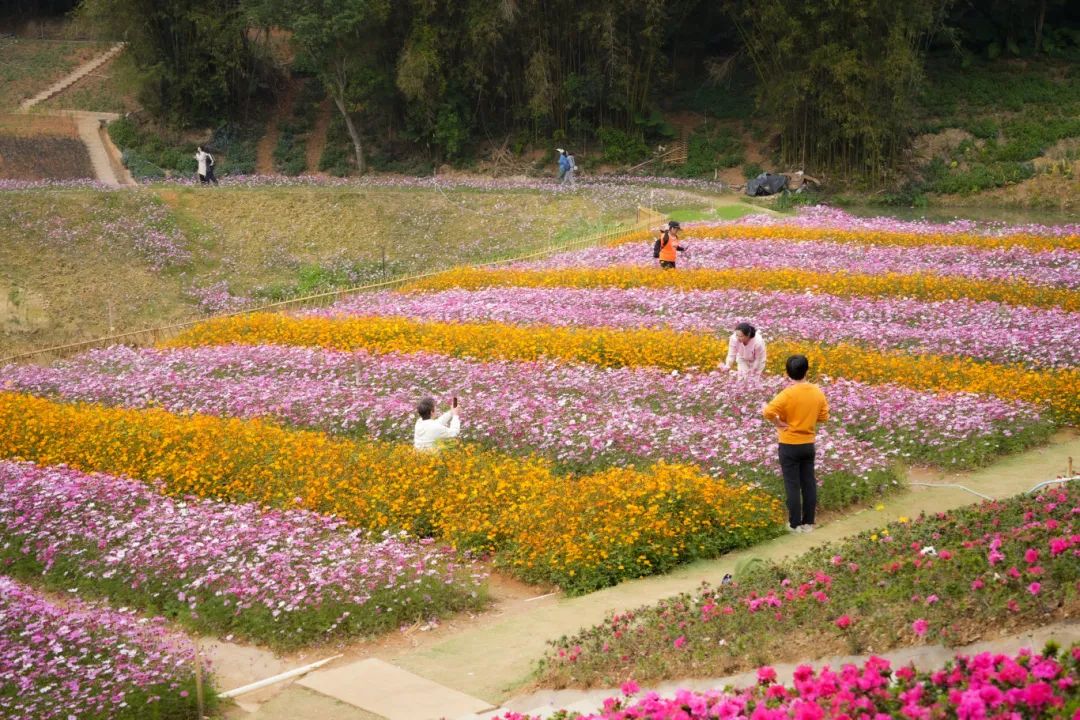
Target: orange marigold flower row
pixel 579 532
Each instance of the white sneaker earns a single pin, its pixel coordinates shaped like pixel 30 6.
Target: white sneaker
pixel 793 529
pixel 806 528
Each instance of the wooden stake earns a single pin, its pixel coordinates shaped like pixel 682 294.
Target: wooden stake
pixel 198 681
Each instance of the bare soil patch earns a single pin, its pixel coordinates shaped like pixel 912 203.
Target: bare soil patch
pixel 34 125
pixel 929 146
pixel 317 139
pixel 44 158
pixel 264 151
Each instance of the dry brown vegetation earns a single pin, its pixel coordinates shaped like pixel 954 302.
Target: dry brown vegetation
pixel 44 157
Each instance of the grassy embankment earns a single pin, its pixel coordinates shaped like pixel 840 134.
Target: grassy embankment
pixel 29 66
pixel 82 263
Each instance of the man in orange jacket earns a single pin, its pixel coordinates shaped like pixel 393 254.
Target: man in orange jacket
pixel 796 412
pixel 669 245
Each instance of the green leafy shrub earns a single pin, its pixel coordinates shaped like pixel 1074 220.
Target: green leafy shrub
pixel 981 177
pixel 451 133
pixel 290 153
pixel 123 132
pixel 752 170
pixel 384 160
pixel 984 128
pixel 1028 138
pixel 621 148
pixel 337 156
pixel 149 155
pixel 787 201
pixel 654 125
pixel 707 152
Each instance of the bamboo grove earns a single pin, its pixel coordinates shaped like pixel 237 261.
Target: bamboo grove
pixel 835 85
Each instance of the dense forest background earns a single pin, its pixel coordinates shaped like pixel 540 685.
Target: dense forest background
pixel 837 83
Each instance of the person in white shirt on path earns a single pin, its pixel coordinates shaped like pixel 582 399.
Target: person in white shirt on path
pixel 428 432
pixel 746 350
pixel 206 166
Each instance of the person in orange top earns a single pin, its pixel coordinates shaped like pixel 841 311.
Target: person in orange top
pixel 669 244
pixel 795 412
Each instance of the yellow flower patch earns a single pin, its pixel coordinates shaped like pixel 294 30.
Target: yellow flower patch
pixel 572 531
pixel 487 341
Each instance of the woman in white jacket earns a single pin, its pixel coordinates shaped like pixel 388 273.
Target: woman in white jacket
pixel 746 350
pixel 206 166
pixel 429 431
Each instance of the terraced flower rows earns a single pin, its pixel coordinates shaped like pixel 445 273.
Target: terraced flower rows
pixel 988 331
pixel 581 417
pixel 660 348
pixel 1048 268
pixel 600 443
pixel 816 224
pixel 579 532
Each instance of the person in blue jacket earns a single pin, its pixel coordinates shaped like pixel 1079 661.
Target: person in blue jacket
pixel 564 163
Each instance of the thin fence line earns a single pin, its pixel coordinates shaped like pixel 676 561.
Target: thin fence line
pixel 647 217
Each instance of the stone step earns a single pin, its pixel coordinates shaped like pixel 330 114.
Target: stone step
pixel 77 74
pixel 388 691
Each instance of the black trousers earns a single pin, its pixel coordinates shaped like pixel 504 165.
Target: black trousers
pixel 800 485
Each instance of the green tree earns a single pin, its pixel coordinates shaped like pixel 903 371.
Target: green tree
pixel 196 59
pixel 349 44
pixel 840 78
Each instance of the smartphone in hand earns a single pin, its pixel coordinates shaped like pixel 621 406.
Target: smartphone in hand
pixel 453 403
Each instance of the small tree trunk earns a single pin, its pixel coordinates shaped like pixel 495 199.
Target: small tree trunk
pixel 1039 24
pixel 354 134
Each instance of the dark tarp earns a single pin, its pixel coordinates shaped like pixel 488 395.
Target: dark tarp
pixel 766 184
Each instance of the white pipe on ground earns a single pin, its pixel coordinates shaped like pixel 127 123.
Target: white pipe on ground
pixel 276 678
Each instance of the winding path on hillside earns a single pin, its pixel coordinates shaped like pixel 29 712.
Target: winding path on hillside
pixel 488 658
pixel 73 77
pixel 104 156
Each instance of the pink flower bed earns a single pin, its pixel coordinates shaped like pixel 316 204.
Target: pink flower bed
pixel 64 660
pixel 280 577
pixel 1058 268
pixel 946 577
pixel 1026 685
pixel 988 331
pixel 830 217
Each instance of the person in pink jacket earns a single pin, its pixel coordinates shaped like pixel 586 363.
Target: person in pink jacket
pixel 746 350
